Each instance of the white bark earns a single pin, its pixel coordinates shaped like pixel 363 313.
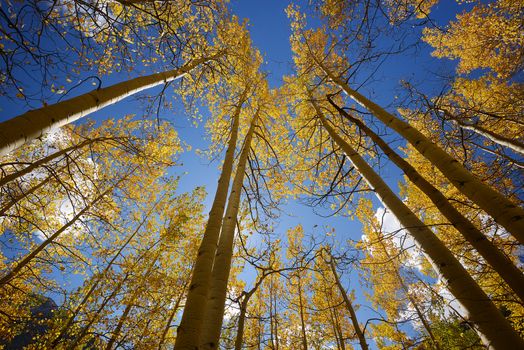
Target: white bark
pixel 503 211
pixel 489 251
pixel 221 268
pixel 33 124
pixel 188 333
pixel 494 330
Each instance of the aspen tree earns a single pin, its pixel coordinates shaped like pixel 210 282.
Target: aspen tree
pixel 384 261
pixel 191 323
pixel 33 124
pixel 505 267
pixel 508 214
pixel 493 328
pixel 212 325
pixel 349 305
pixel 130 303
pixel 15 270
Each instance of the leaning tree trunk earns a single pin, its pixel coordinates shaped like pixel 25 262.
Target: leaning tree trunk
pixel 171 317
pixel 494 330
pixel 239 340
pixel 349 306
pixel 98 279
pixel 35 123
pixel 93 318
pixel 188 333
pixel 29 257
pixel 63 152
pixel 510 273
pixel 405 289
pixel 123 317
pixel 503 141
pixel 214 313
pixel 503 211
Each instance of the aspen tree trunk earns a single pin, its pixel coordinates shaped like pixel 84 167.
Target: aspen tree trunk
pixel 337 330
pixel 272 324
pixel 214 312
pixel 130 304
pixel 188 333
pixel 35 123
pixel 503 211
pixel 11 177
pixel 413 302
pixel 494 330
pixel 302 321
pixel 172 316
pixel 29 257
pixel 93 287
pixel 349 306
pixel 510 273
pixel 85 329
pixel 243 309
pixel 239 340
pixel 512 144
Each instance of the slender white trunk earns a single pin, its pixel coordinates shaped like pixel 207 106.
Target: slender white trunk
pixel 29 257
pixel 135 293
pixel 188 333
pixel 13 176
pixel 35 123
pixel 510 273
pixel 503 211
pixel 349 306
pixel 512 144
pixel 494 330
pixel 221 268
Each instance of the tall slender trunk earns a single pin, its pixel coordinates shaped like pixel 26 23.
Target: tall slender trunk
pixel 222 265
pixel 503 211
pixel 173 314
pixel 35 123
pixel 83 332
pixel 494 330
pixel 123 317
pixel 510 273
pixel 349 306
pixel 98 279
pixel 29 257
pixel 512 144
pixel 276 326
pixel 13 176
pixel 412 301
pixel 243 310
pixel 335 323
pixel 239 340
pixel 302 317
pixel 188 333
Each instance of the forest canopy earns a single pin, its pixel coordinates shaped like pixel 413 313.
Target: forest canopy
pixel 226 174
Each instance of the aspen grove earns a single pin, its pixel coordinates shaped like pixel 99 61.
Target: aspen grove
pixel 271 175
